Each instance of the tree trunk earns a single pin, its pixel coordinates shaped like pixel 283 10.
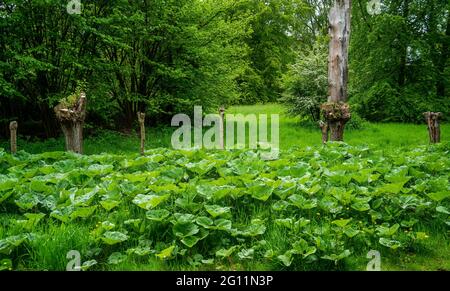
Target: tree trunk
pixel 336 111
pixel 13 128
pixel 72 122
pixel 434 128
pixel 141 119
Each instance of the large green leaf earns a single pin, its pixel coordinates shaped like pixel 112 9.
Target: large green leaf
pixel 114 237
pixel 216 210
pixel 149 201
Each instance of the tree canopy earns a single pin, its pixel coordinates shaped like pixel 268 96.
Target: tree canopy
pixel 164 57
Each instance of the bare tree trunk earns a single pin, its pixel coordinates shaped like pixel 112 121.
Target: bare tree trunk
pixel 336 111
pixel 221 125
pixel 72 122
pixel 434 128
pixel 141 119
pixel 13 128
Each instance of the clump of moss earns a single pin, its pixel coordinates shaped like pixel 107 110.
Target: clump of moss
pixel 334 111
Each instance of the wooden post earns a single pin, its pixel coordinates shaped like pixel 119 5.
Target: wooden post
pixel 337 111
pixel 13 129
pixel 434 127
pixel 141 119
pixel 325 130
pixel 221 126
pixel 72 122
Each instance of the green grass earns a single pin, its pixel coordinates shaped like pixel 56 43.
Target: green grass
pixel 292 133
pixel 47 250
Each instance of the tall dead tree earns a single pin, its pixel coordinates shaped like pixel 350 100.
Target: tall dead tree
pixel 72 118
pixel 336 111
pixel 141 119
pixel 13 130
pixel 434 127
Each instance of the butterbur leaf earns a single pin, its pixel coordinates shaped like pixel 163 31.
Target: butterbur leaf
pixel 225 253
pixel 442 209
pixel 185 229
pixel 261 192
pixel 286 222
pixel 116 258
pixel 390 243
pixel 166 253
pixel 222 224
pixel 190 241
pixel 109 204
pixel 246 254
pixel 204 221
pixel 286 258
pixel 361 206
pixel 157 215
pixel 83 212
pixel 40 186
pixel 336 258
pixel 351 232
pixel 342 222
pixel 388 231
pixel 254 230
pixel 439 196
pixel 114 237
pixel 149 201
pixel 9 243
pixel 216 210
pixel 88 264
pixel 393 188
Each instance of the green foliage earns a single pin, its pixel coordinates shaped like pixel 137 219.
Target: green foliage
pixel 399 60
pixel 312 207
pixel 306 83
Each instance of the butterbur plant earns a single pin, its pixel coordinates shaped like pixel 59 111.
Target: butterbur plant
pixel 313 208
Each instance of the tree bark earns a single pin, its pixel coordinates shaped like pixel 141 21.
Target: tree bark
pixel 13 129
pixel 141 119
pixel 325 131
pixel 336 111
pixel 72 122
pixel 434 128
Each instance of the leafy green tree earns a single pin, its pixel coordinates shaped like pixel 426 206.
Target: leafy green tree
pixel 306 82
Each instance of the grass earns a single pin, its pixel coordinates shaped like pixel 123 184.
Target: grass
pixel 48 249
pixel 292 133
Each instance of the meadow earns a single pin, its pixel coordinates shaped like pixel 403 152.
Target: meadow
pixel 315 208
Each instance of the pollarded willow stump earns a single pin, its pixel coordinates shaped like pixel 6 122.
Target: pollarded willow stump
pixel 434 127
pixel 72 119
pixel 336 115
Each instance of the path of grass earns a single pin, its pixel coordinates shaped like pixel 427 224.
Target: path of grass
pixel 292 133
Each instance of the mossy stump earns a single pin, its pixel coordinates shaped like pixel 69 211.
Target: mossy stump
pixel 336 115
pixel 71 116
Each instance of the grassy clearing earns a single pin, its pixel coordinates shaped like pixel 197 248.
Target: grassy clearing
pixel 292 133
